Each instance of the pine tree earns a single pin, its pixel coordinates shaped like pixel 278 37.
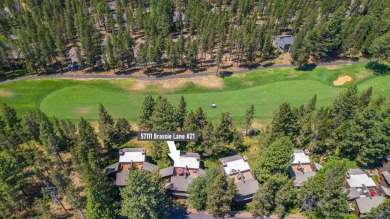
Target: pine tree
pixel 106 128
pixel 285 122
pixel 299 51
pixel 111 61
pixel 12 199
pixel 275 159
pixel 48 138
pixel 10 117
pixel 190 122
pixel 380 48
pixel 143 197
pixel 223 133
pixel 122 129
pixel 200 117
pixel 346 104
pixel 262 204
pixel 43 205
pixel 163 117
pixel 250 113
pixel 197 190
pixel 181 112
pixel 220 194
pixel 208 140
pixel 286 198
pixel 145 113
pixel 98 206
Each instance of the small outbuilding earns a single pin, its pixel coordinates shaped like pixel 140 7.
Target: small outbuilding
pixel 284 42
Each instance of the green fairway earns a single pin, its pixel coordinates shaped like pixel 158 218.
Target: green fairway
pixel 265 89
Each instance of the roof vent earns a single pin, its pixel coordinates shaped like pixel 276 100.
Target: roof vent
pixel 224 163
pixel 307 152
pixel 245 158
pixel 121 152
pixel 348 175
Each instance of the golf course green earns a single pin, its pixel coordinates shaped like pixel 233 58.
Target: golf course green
pixel 266 89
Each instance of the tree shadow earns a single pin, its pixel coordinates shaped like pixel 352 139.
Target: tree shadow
pixel 13 74
pixel 128 71
pixel 307 67
pixel 226 66
pixel 253 66
pixel 379 69
pixel 179 212
pixel 224 74
pixel 198 69
pixel 268 64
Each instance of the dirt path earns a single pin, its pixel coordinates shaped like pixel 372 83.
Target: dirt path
pixel 152 78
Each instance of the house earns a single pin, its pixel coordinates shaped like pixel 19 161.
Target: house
pixel 284 42
pixel 363 192
pixel 182 173
pixel 237 168
pixel 384 171
pixel 302 168
pixel 119 171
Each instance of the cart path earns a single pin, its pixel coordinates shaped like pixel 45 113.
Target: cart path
pixel 153 78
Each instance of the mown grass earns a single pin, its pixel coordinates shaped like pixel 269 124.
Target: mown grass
pixel 266 89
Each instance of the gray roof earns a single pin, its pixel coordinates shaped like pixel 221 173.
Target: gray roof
pixel 355 172
pixel 286 39
pixel 121 178
pixel 188 154
pixel 386 176
pixel 149 167
pixel 365 204
pixel 353 194
pixel 176 16
pixel 246 189
pixel 317 166
pixel 180 183
pixel 386 191
pixel 132 149
pixel 298 150
pixel 300 177
pixel 231 158
pixel 167 171
pixel 112 168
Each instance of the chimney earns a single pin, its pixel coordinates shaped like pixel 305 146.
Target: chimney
pixel 245 158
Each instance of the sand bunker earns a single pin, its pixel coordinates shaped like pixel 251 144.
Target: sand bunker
pixel 83 110
pixel 342 80
pixel 6 93
pixel 211 82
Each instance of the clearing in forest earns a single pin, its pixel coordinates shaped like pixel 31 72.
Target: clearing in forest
pixel 265 89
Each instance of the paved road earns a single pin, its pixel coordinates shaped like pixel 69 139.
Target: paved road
pixel 182 213
pixel 152 78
